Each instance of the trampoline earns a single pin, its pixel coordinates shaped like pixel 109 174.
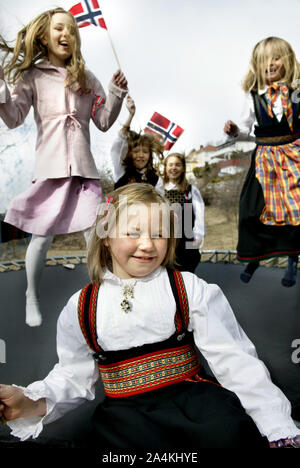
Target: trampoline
pixel 268 312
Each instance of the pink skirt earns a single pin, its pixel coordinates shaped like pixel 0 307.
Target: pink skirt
pixel 56 206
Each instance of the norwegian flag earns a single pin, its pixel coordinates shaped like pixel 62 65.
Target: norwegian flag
pixel 169 131
pixel 88 12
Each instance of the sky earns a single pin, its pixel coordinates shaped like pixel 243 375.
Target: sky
pixel 184 59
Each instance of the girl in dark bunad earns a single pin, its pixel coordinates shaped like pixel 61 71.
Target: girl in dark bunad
pixel 48 73
pixel 188 197
pixel 269 221
pixel 139 324
pixel 132 155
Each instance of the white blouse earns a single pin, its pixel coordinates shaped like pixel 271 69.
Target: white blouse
pixel 198 209
pixel 118 152
pixel 248 117
pixel 230 354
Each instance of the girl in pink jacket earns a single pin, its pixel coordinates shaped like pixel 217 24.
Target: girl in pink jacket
pixel 48 73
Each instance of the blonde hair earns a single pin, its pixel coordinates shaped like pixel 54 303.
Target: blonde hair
pixel 182 184
pixel 28 49
pixel 99 257
pixel 262 54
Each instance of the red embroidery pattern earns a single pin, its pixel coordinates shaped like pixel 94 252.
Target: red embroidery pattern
pixel 149 372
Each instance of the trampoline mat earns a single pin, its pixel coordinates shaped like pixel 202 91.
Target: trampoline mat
pixel 268 312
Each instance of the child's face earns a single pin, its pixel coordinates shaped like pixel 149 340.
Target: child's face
pixel 174 169
pixel 275 69
pixel 140 156
pixel 139 248
pixel 59 39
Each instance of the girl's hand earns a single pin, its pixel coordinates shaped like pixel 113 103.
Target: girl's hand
pixel 130 105
pixel 231 128
pixel 14 404
pixel 120 80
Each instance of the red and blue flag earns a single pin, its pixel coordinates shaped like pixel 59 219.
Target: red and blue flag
pixel 87 13
pixel 169 131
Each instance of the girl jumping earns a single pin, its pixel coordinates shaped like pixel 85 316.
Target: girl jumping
pixel 269 220
pixel 132 154
pixel 48 72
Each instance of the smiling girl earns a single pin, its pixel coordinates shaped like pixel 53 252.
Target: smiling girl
pixel 48 72
pixel 269 221
pixel 177 190
pixel 132 155
pixel 138 325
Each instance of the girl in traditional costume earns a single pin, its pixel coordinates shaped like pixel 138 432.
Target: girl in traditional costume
pixel 269 219
pixel 191 211
pixel 138 325
pixel 133 155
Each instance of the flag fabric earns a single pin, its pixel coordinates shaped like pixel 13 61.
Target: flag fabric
pixel 88 12
pixel 169 131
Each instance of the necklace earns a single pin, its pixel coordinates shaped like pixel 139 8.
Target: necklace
pixel 128 292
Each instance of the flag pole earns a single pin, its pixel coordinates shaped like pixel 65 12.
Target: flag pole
pixel 114 50
pixel 112 45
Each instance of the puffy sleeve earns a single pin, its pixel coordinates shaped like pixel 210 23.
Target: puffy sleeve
pixel 15 106
pixel 105 109
pixel 233 360
pixel 198 207
pixel 118 152
pixel 70 383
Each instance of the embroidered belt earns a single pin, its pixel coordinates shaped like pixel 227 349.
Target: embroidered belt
pixel 273 140
pixel 149 372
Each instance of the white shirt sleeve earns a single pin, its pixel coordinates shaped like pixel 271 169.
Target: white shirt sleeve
pixel 233 360
pixel 160 187
pixel 247 119
pixel 118 152
pixel 199 208
pixel 70 383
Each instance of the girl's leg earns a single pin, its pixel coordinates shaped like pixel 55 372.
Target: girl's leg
pixel 290 274
pixel 34 260
pixel 247 274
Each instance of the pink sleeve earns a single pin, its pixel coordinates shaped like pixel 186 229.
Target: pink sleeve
pixel 106 109
pixel 15 106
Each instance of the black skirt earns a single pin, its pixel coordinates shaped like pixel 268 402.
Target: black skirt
pixel 188 415
pixel 258 241
pixel 186 259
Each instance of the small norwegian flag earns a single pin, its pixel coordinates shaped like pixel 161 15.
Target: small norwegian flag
pixel 88 12
pixel 169 131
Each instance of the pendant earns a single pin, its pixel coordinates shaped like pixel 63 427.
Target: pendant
pixel 128 291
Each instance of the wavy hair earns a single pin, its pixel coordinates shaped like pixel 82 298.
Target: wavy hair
pixel 260 61
pixel 149 140
pixel 29 49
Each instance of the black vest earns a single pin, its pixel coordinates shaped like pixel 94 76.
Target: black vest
pixel 132 176
pixel 268 126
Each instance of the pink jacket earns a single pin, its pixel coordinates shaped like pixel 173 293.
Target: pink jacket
pixel 62 117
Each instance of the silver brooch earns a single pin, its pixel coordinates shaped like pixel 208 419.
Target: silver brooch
pixel 128 292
